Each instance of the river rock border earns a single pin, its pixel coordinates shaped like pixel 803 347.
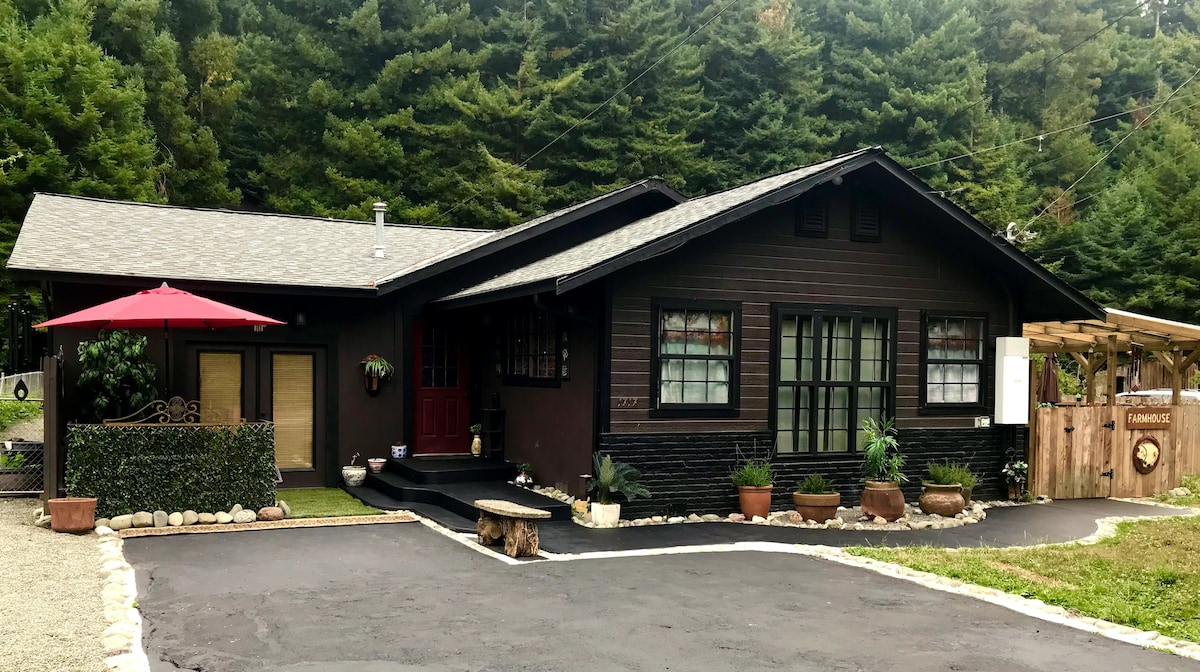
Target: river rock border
pixel 122 638
pixel 336 521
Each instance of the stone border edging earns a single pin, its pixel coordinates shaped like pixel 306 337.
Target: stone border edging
pixel 335 521
pixel 122 638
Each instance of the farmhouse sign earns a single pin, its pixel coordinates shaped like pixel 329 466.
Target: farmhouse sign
pixel 1144 417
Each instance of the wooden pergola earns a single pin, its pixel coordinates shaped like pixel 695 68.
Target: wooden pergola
pixel 1097 343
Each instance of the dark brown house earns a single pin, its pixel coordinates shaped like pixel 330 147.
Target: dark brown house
pixel 676 334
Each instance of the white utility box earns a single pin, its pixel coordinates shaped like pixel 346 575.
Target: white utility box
pixel 1012 381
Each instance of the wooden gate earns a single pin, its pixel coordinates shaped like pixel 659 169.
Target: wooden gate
pixel 1088 451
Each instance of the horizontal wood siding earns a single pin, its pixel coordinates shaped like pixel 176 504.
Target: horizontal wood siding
pixel 760 261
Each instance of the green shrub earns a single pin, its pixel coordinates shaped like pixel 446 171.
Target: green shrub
pixel 615 478
pixel 815 484
pixel 13 411
pixel 951 473
pixel 882 460
pixel 117 377
pixel 754 474
pixel 149 467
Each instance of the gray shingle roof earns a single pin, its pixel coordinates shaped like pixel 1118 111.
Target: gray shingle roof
pixel 67 234
pixel 620 241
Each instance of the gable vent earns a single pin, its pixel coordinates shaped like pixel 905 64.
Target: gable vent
pixel 812 218
pixel 867 226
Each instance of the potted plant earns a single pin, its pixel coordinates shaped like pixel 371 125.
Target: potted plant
pixel 1015 472
pixel 881 465
pixel 612 479
pixel 964 475
pixel 72 514
pixel 754 480
pixel 524 475
pixel 376 369
pixel 376 464
pixel 476 442
pixel 354 475
pixel 13 476
pixel 816 500
pixel 942 493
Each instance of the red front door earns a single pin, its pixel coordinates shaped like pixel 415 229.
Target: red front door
pixel 442 415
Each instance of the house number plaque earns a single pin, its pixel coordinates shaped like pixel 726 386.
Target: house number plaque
pixel 625 402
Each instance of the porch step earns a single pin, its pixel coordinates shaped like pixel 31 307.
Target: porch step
pixel 459 498
pixel 440 470
pixel 379 500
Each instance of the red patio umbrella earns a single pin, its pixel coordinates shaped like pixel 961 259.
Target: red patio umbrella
pixel 164 307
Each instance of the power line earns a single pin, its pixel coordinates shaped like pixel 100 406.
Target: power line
pixel 597 108
pixel 1107 154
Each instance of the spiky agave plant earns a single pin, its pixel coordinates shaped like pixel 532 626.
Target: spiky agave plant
pixel 615 478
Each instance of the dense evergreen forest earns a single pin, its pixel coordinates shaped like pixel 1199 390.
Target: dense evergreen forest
pixel 1076 119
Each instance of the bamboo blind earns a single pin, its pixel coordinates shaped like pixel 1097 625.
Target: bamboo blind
pixel 221 387
pixel 292 409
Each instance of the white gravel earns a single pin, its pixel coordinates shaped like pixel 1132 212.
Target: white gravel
pixel 51 618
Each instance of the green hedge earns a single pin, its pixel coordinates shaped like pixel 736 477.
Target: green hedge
pixel 151 467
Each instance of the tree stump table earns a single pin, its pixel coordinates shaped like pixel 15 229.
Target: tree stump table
pixel 514 523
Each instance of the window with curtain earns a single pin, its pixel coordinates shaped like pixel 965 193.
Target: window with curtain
pixel 221 387
pixel 531 347
pixel 834 370
pixel 292 409
pixel 953 361
pixel 695 362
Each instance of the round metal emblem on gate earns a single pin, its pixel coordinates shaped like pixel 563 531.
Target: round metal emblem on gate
pixel 1146 453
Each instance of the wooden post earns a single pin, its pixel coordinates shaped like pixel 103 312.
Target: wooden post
pixel 51 440
pixel 1110 357
pixel 1031 447
pixel 1177 379
pixel 1093 363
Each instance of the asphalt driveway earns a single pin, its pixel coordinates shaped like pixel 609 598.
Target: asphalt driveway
pixel 402 597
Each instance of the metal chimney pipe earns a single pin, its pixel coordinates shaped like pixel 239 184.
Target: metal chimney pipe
pixel 380 209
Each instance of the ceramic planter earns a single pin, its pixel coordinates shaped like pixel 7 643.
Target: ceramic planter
pixel 476 446
pixel 354 475
pixel 606 515
pixel 944 500
pixel 399 451
pixel 817 507
pixel 72 514
pixel 966 494
pixel 376 464
pixel 754 501
pixel 883 499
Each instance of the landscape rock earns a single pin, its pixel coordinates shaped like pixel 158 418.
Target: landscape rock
pixel 102 522
pixel 104 530
pixel 641 522
pixel 657 519
pixel 233 511
pixel 710 518
pixel 921 525
pixel 737 518
pixel 675 519
pixel 835 523
pixel 270 513
pixel 143 519
pixel 960 515
pixel 121 522
pixel 757 519
pixel 863 519
pixel 244 516
pixel 778 522
pixel 795 518
pixel 160 518
pixel 695 518
pixel 968 520
pixel 1174 492
pixel 879 520
pixel 206 518
pixel 223 518
pixel 175 519
pixel 42 521
pixel 190 517
pixel 287 510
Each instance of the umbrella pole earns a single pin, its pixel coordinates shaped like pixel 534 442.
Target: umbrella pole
pixel 167 346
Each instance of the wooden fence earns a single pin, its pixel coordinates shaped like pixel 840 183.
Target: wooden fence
pixel 1089 451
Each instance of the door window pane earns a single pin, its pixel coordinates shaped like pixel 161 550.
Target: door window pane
pixel 292 409
pixel 221 387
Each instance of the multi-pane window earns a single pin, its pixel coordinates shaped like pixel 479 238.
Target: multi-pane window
pixel 696 363
pixel 531 349
pixel 834 371
pixel 439 358
pixel 953 357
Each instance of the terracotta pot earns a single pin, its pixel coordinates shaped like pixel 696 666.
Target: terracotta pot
pixel 817 507
pixel 883 499
pixel 606 515
pixel 376 464
pixel 754 501
pixel 354 475
pixel 944 500
pixel 372 383
pixel 72 514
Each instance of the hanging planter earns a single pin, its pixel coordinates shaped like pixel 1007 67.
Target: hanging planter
pixel 376 369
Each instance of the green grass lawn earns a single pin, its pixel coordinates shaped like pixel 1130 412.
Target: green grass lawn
pixel 1191 483
pixel 1148 576
pixel 13 411
pixel 324 503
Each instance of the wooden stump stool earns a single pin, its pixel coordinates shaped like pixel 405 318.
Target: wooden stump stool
pixel 512 522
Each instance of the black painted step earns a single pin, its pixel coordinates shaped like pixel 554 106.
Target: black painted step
pixel 380 500
pixel 440 470
pixel 459 498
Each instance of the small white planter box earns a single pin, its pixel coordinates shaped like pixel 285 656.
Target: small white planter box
pixel 606 515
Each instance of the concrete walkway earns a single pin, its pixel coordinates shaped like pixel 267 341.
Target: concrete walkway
pixel 1059 521
pixel 403 597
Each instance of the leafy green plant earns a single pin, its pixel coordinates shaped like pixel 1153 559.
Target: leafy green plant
pixel 476 428
pixel 615 478
pixel 12 461
pixel 951 473
pixel 12 412
pixel 754 474
pixel 882 460
pixel 149 467
pixel 375 366
pixel 117 377
pixel 526 468
pixel 815 484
